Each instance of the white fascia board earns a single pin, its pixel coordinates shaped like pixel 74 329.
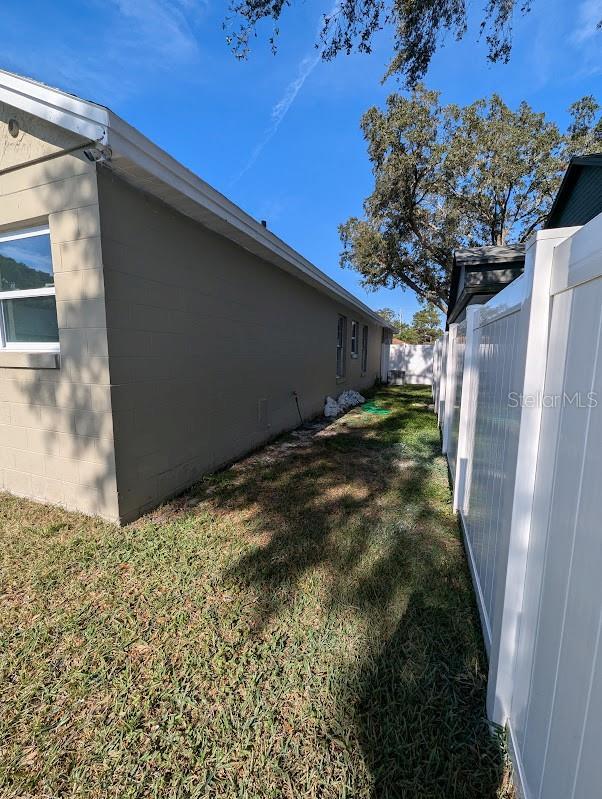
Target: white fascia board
pixel 64 110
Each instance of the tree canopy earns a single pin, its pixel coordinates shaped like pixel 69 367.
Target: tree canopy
pixel 419 28
pixel 449 176
pixel 425 325
pixel 390 317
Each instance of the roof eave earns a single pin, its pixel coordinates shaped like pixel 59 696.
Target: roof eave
pixel 64 110
pixel 171 181
pixel 148 167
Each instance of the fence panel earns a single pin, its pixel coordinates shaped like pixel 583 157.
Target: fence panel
pixel 436 355
pixel 518 391
pixel 440 409
pixel 415 361
pixel 556 711
pixel 457 371
pixel 489 493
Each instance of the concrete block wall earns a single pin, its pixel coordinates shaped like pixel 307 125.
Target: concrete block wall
pixel 179 350
pixel 56 430
pixel 207 343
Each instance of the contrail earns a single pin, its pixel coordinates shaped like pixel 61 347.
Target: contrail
pixel 281 109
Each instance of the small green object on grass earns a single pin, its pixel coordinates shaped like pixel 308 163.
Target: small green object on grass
pixel 370 407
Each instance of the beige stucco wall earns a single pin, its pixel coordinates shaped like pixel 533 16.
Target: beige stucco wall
pixel 56 431
pixel 201 336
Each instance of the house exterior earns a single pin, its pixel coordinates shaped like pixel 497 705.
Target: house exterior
pixel 479 273
pixel 579 198
pixel 151 331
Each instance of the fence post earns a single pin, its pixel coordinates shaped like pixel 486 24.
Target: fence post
pixel 436 351
pixel 442 366
pixel 450 387
pixel 438 378
pixel 534 329
pixel 467 406
pixel 434 377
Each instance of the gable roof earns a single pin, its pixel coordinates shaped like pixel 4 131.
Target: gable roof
pixel 579 198
pixel 145 166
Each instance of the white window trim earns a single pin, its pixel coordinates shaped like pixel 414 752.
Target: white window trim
pixel 364 351
pixel 24 233
pixel 46 291
pixel 340 374
pixel 355 325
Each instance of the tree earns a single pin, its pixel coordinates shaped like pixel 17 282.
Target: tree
pixel 584 133
pixel 400 328
pixel 419 28
pixel 448 176
pixel 390 317
pixel 426 324
pixel 407 333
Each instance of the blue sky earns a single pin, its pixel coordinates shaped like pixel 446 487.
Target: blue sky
pixel 280 134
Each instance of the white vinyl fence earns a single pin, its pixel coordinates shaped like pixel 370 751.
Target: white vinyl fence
pixel 411 363
pixel 518 390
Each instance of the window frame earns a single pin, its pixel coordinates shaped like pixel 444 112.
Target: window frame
pixel 355 330
pixel 47 291
pixel 364 349
pixel 341 346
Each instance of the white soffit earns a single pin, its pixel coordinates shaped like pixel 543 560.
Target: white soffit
pixel 147 167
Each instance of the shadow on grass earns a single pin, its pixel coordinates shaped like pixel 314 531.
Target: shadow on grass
pixel 420 712
pixel 364 511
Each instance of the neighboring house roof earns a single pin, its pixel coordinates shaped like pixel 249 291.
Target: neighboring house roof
pixel 579 198
pixel 144 165
pixel 482 271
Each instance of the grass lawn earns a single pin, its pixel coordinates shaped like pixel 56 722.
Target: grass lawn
pixel 299 625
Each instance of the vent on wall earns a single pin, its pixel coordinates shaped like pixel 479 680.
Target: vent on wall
pixel 262 414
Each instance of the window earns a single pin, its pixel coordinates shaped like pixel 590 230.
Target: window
pixel 365 348
pixel 27 297
pixel 341 337
pixel 354 338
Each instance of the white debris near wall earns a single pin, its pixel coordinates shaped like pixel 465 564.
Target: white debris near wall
pixel 346 400
pixel 331 408
pixel 349 399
